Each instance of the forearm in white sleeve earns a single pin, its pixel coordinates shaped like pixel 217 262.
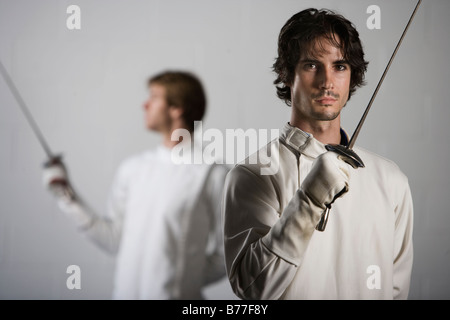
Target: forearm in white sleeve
pixel 103 231
pixel 106 231
pixel 215 262
pixel 403 256
pixel 249 212
pixel 263 249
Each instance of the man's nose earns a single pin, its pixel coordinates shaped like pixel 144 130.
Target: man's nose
pixel 326 79
pixel 145 105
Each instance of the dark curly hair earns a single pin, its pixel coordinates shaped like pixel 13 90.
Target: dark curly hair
pixel 299 35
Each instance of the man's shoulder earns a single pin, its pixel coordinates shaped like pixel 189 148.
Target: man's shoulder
pixel 138 158
pixel 380 163
pixel 268 163
pixel 375 157
pixel 258 159
pixel 150 158
pixel 136 162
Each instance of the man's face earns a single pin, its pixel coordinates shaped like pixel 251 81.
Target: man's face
pixel 156 109
pixel 321 84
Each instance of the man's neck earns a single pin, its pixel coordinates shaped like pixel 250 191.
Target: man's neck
pixel 168 143
pixel 167 137
pixel 327 132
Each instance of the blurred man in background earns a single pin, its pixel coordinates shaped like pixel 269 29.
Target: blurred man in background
pixel 163 219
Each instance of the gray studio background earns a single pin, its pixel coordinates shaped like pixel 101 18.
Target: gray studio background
pixel 86 87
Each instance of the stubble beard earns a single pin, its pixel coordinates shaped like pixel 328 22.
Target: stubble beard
pixel 325 116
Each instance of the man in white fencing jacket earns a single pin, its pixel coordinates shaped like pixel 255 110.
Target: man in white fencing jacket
pixel 272 248
pixel 163 218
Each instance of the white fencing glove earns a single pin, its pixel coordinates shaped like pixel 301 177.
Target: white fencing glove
pixel 328 179
pixel 56 179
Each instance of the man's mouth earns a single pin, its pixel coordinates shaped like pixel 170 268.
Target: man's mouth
pixel 326 100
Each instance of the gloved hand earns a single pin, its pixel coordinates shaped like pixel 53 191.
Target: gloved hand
pixel 328 179
pixel 56 179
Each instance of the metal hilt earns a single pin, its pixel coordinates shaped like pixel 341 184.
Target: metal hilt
pixel 325 215
pixel 56 159
pixel 348 155
pixel 323 220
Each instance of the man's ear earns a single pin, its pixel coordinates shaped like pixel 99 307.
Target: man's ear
pixel 175 112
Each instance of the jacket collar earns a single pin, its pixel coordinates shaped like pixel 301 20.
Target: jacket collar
pixel 304 142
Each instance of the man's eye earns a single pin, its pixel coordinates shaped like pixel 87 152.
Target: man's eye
pixel 310 66
pixel 341 67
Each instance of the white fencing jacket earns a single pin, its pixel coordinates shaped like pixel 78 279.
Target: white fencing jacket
pixel 365 252
pixel 164 223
